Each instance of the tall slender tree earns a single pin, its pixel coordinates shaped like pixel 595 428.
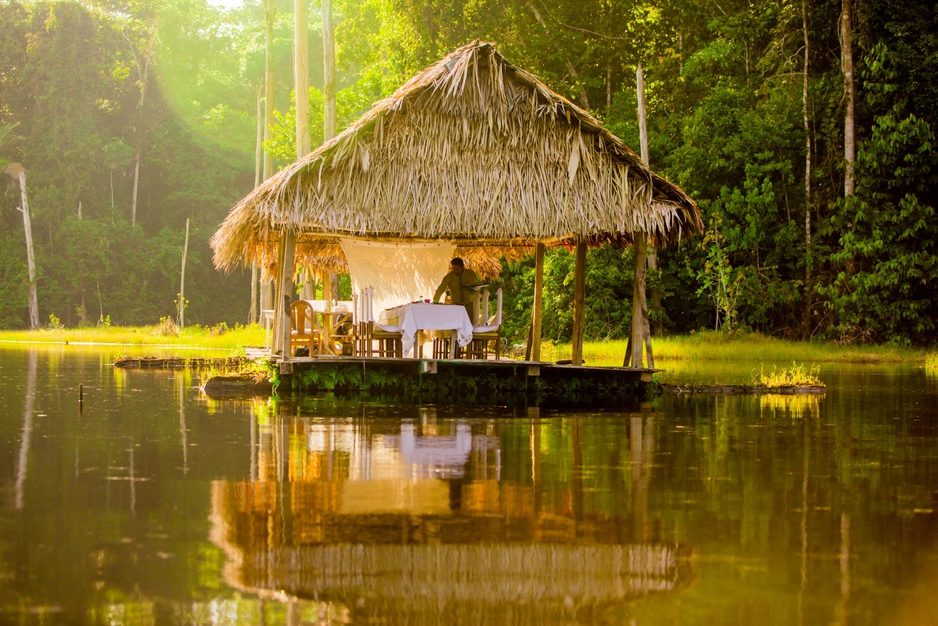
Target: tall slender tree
pixel 16 171
pixel 846 55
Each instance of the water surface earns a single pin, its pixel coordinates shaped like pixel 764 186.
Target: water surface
pixel 149 504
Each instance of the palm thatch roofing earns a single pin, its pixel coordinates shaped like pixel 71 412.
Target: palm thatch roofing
pixel 472 150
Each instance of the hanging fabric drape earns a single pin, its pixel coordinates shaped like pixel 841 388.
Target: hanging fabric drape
pixel 399 272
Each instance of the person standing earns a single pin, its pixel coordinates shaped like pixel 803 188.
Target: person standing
pixel 458 282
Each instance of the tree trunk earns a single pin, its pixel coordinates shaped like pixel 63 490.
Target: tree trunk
pixel 270 13
pixel 259 140
pixel 643 143
pixel 133 200
pixel 329 97
pixel 584 99
pixel 301 75
pixel 33 300
pixel 850 145
pixel 807 145
pixel 642 127
pixel 637 339
pixel 182 280
pixel 30 255
pixel 328 63
pixel 143 73
pixel 258 171
pixel 806 317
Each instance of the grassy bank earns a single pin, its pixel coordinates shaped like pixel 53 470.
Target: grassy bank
pixel 699 358
pixel 711 358
pixel 712 346
pixel 705 346
pixel 193 337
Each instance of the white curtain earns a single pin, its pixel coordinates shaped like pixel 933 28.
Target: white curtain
pixel 399 272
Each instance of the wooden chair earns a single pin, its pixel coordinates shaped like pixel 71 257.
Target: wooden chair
pixel 304 328
pixel 483 335
pixel 390 338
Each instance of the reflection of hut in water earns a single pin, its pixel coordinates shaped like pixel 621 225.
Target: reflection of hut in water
pixel 390 541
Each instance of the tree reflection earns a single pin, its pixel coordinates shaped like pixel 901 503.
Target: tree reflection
pixel 23 458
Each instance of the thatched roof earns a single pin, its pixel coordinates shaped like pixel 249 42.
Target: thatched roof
pixel 473 150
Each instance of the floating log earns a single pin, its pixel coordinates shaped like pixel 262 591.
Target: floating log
pixel 173 362
pixel 787 390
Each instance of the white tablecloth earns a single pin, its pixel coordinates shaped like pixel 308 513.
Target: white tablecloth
pixel 421 316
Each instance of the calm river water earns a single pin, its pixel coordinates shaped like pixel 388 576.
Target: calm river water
pixel 150 504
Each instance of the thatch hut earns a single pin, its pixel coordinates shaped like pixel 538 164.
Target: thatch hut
pixel 472 156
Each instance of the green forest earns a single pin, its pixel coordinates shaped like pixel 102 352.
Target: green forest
pixel 804 130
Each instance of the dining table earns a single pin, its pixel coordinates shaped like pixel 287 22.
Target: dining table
pixel 333 316
pixel 422 317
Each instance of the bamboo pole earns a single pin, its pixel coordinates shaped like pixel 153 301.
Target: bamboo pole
pixel 579 300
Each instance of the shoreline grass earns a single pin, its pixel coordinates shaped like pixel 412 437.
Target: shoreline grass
pixel 193 337
pixel 704 349
pixel 715 346
pixel 794 376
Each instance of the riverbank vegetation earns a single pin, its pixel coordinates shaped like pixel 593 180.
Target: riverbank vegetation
pixel 706 346
pixel 797 375
pixel 128 119
pixel 729 347
pixel 219 337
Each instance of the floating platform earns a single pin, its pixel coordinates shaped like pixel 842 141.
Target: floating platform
pixel 460 381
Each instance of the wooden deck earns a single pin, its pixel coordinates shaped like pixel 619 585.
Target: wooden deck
pixel 465 381
pixel 503 382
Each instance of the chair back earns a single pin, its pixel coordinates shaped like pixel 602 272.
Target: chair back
pixel 300 313
pixel 483 319
pixel 366 302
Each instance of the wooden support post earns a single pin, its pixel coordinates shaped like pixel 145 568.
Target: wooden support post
pixel 286 254
pixel 537 312
pixel 579 300
pixel 252 313
pixel 327 286
pixel 638 295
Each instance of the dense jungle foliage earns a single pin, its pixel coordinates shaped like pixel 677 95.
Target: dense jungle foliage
pixel 130 116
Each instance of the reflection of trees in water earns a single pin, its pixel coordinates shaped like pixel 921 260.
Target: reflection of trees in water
pixel 26 436
pixel 497 519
